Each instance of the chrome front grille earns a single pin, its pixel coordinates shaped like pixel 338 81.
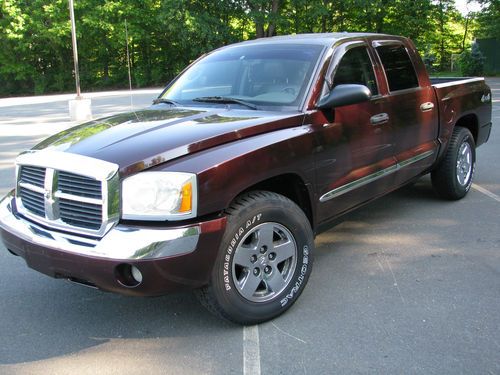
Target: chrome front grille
pixel 82 186
pixel 80 214
pixel 33 201
pixel 33 175
pixel 65 195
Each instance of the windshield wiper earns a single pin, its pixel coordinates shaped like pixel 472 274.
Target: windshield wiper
pixel 165 101
pixel 224 100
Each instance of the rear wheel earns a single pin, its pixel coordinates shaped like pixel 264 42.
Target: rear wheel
pixel 264 261
pixel 452 178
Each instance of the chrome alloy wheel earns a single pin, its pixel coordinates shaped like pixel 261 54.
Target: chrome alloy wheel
pixel 464 164
pixel 264 262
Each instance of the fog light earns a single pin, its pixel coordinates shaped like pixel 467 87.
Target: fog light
pixel 136 274
pixel 128 275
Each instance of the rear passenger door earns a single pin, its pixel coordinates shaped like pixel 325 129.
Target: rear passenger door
pixel 412 108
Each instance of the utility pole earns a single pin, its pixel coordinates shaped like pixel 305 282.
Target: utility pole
pixel 75 48
pixel 79 108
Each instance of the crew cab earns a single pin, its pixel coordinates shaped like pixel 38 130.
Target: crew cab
pixel 222 184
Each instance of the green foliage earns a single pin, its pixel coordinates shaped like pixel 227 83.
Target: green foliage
pixel 489 19
pixel 34 46
pixel 472 62
pixel 166 35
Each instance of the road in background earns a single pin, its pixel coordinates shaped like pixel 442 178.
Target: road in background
pixel 408 284
pixel 27 120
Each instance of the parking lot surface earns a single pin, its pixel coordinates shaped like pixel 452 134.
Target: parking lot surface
pixel 408 284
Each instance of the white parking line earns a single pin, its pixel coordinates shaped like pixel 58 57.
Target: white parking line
pixel 486 192
pixel 251 350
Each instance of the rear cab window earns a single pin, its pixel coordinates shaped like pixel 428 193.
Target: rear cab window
pixel 398 67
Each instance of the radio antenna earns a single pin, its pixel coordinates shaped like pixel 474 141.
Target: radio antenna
pixel 128 64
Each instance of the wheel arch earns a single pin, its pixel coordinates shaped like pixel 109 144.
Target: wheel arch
pixel 469 121
pixel 289 185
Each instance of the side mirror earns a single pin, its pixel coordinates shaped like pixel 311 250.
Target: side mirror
pixel 345 95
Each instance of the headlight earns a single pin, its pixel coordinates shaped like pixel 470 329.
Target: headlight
pixel 159 196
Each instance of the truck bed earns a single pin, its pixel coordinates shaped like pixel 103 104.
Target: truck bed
pixel 448 81
pixel 467 97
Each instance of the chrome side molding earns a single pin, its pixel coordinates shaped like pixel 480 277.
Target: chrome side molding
pixel 373 177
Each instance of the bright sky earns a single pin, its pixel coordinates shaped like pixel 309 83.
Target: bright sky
pixel 465 7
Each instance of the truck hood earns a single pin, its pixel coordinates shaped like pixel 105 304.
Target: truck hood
pixel 143 139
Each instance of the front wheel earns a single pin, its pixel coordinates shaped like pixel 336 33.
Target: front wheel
pixel 452 178
pixel 264 261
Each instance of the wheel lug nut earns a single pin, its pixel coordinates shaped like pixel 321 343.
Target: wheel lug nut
pixel 256 271
pixel 253 258
pixel 272 256
pixel 267 269
pixel 263 249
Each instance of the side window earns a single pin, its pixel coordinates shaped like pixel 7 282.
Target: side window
pixel 398 67
pixel 356 67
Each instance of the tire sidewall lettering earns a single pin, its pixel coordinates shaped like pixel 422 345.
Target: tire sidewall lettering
pixel 301 272
pixel 300 279
pixel 469 183
pixel 233 243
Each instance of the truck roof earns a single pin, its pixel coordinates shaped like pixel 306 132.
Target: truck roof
pixel 326 39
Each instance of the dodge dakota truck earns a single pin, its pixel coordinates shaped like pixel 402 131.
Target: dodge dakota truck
pixel 221 185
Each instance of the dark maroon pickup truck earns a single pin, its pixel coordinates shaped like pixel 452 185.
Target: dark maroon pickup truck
pixel 221 185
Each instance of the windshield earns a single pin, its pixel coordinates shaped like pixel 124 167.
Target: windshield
pixel 264 75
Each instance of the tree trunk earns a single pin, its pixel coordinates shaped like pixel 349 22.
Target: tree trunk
pixel 106 60
pixel 381 12
pixel 341 16
pixel 260 30
pixel 324 17
pixel 271 28
pixel 441 34
pixel 465 32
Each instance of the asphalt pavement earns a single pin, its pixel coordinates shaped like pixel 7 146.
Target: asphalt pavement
pixel 408 284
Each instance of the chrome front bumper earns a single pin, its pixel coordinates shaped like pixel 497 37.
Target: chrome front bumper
pixel 119 243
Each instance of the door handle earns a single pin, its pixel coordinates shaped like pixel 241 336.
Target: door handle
pixel 379 119
pixel 427 106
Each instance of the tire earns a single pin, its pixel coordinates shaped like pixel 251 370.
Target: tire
pixel 452 178
pixel 257 277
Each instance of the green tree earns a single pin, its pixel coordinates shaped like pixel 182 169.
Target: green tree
pixel 489 19
pixel 472 61
pixel 34 50
pixel 166 35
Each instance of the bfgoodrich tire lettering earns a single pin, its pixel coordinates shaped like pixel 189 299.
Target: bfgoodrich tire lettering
pixel 452 178
pixel 264 261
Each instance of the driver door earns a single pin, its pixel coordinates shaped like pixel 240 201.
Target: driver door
pixel 355 158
